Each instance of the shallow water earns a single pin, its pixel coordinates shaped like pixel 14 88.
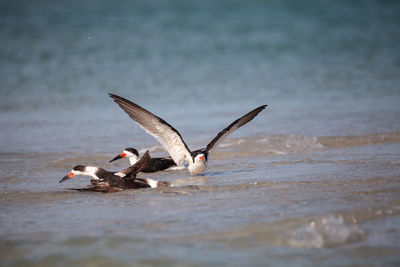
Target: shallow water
pixel 313 180
pixel 257 209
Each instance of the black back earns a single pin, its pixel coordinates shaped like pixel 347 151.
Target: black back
pixel 158 164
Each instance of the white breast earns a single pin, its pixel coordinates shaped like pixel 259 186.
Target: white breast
pixel 151 182
pixel 198 167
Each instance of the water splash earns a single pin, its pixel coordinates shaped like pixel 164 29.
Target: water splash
pixel 328 231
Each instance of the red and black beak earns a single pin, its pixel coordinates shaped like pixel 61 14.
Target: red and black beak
pixel 120 156
pixel 66 177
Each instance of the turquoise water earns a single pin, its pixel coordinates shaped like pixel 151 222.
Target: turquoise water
pixel 314 179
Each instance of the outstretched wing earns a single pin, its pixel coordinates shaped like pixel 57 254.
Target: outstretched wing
pixel 168 136
pixel 233 127
pixel 138 166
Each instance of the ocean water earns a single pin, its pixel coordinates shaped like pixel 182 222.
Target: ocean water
pixel 314 179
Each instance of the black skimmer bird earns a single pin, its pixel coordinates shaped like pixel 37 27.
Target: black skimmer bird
pixel 172 140
pixel 106 181
pixel 154 165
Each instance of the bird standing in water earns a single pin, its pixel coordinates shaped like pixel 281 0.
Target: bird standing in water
pixel 106 181
pixel 172 140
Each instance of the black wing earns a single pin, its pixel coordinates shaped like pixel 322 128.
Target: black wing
pixel 233 127
pixel 159 164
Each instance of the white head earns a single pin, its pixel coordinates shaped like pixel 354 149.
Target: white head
pixel 129 153
pixel 199 158
pixel 81 170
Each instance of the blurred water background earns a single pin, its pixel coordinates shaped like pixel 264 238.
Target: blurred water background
pixel 313 180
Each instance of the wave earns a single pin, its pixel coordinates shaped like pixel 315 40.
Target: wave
pixel 253 146
pixel 327 231
pixel 297 144
pixel 359 140
pixel 335 229
pixel 257 146
pixel 276 145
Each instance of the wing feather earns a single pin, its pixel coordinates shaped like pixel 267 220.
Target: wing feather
pixel 233 127
pixel 164 133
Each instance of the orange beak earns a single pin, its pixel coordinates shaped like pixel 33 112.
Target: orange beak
pixel 120 156
pixel 201 158
pixel 66 177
